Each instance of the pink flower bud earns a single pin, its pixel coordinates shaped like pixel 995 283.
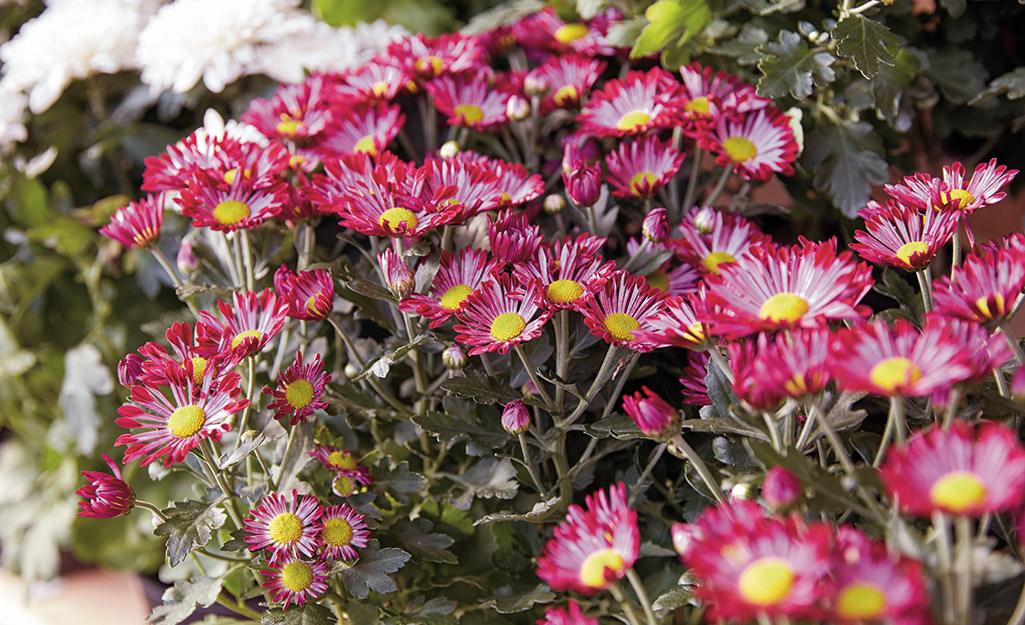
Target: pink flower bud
pixel 186 259
pixel 453 357
pixel 583 185
pixel 652 414
pixel 518 108
pixel 554 203
pixel 781 487
pixel 656 227
pixel 129 369
pixel 704 221
pixel 515 417
pixel 106 496
pixel 396 272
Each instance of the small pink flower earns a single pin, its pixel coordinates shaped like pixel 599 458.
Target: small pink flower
pixel 515 417
pixel 396 273
pixel 655 227
pixel 652 414
pixel 106 496
pixel 138 224
pixel 781 487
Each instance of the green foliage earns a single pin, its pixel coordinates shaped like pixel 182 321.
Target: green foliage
pixel 671 25
pixel 867 43
pixel 189 525
pixel 180 600
pixel 371 571
pixel 792 67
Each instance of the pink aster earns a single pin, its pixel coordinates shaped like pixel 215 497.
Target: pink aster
pixel 307 295
pixel 707 95
pixel 781 487
pixel 346 177
pixel 641 167
pixel 630 106
pixel 982 189
pixel 594 546
pixel 345 531
pixel 285 527
pixel 545 31
pixel 469 100
pixel 473 187
pixel 722 238
pixel 623 305
pixel 429 57
pixel 567 79
pixel 899 236
pixel 359 127
pixel 671 277
pixel 514 182
pixel 568 271
pixel 175 168
pixel 692 382
pixel 983 288
pixel 299 390
pixel 513 238
pixel 499 315
pixel 375 81
pixel 185 345
pixel 350 476
pixel 250 322
pixel 755 146
pixel 676 324
pixel 652 414
pixel 294 112
pixel 790 365
pixel 228 207
pixel 570 615
pixel 138 224
pixel 106 496
pixel 964 470
pixel 295 581
pixel 458 275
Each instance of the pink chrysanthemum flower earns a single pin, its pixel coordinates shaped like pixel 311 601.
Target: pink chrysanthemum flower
pixel 299 391
pixel 692 382
pixel 707 95
pixel 641 167
pixel 285 527
pixel 471 186
pixel 568 271
pixel 899 236
pixel 722 238
pixel 962 470
pixel 172 427
pixel 567 79
pixel 294 112
pixel 138 224
pixel 791 365
pixel 499 315
pixel 253 320
pixel 623 305
pixel 652 414
pixel 631 106
pixel 186 346
pixel 515 183
pixel 756 146
pixel 983 289
pixel 459 275
pixel 984 349
pixel 307 295
pixel 899 361
pixel 513 238
pixel 228 207
pixel 375 81
pixel 982 189
pixel 429 57
pixel 350 476
pixel 570 615
pixel 469 100
pixel 594 546
pixel 397 275
pixel 544 31
pixel 345 531
pixel 771 287
pixel 295 581
pixel 358 127
pixel 677 324
pixel 106 496
pixel 671 277
pixel 781 487
pixel 129 370
pixel 196 153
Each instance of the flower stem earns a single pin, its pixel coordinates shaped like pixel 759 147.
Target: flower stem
pixel 923 283
pixel 628 609
pixel 148 506
pixel 943 551
pixel 719 186
pixel 247 259
pixel 561 357
pixel 655 456
pixel 692 182
pixel 531 469
pixel 1012 340
pixel 533 377
pixel 964 596
pixel 679 446
pixel 642 595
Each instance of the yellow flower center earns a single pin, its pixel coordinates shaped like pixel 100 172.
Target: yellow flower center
pixel 569 33
pixel 230 212
pixel 343 486
pixel 429 62
pixel 713 260
pixel 248 334
pixel 297 576
pixel 592 572
pixel 796 386
pixel 633 120
pixel 766 582
pixel 299 394
pixel 566 95
pixel 740 149
pixel 337 532
pixel 958 491
pixel 783 307
pixel 963 197
pixel 507 326
pixel 894 372
pixel 905 251
pixel 453 298
pixel 696 332
pixel 991 307
pixel 287 128
pixel 380 89
pixel 642 180
pixel 393 217
pixel 621 326
pixel 469 113
pixel 229 176
pixel 367 145
pixel 186 421
pixel 311 306
pixel 658 279
pixel 286 528
pixel 564 291
pixel 698 105
pixel 198 369
pixel 343 462
pixel 861 601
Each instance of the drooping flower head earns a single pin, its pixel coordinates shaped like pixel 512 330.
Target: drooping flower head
pixel 652 414
pixel 692 382
pixel 643 166
pixel 295 581
pixel 499 315
pixel 308 295
pixel 630 106
pixel 756 146
pixel 345 531
pixel 106 496
pixel 138 224
pixel 458 275
pixel 622 306
pixel 185 345
pixel 299 390
pixel 350 475
pixel 287 527
pixel 899 236
pixel 983 289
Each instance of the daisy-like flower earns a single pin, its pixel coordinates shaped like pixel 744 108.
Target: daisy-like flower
pixel 983 289
pixel 375 81
pixel 106 496
pixel 594 546
pixel 899 236
pixel 458 276
pixel 180 163
pixel 299 391
pixel 756 146
pixel 308 295
pixel 397 276
pixel 641 167
pixel 515 183
pixel 226 208
pixel 350 476
pixel 286 527
pixel 253 320
pixel 692 381
pixel 345 531
pixel 294 112
pixel 570 615
pixel 707 95
pixel 295 581
pixel 568 270
pixel 499 315
pixel 721 238
pixel 471 186
pixel 631 106
pixel 344 178
pixel 786 287
pixel 469 100
pixel 138 224
pixel 623 305
pixel 982 189
pixel 513 238
pixel 676 324
pixel 899 361
pixel 769 370
pixel 544 30
pixel 429 57
pixel 155 359
pixel 671 277
pixel 359 127
pixel 129 370
pixel 567 79
pixel 172 427
pixel 964 470
pixel 652 414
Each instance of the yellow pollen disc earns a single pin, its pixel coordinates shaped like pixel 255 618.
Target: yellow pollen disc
pixel 453 298
pixel 248 334
pixel 337 532
pixel 341 461
pixel 621 326
pixel 297 576
pixel 366 145
pixel 299 394
pixel 431 62
pixel 740 149
pixel 861 602
pixel 633 120
pixel 766 582
pixel 507 326
pixel 566 95
pixel 642 180
pixel 569 33
pixel 229 176
pixel 285 529
pixel 230 212
pixel 592 572
pixel 696 332
pixel 796 386
pixel 295 161
pixel 564 291
pixel 783 307
pixel 894 373
pixel 311 305
pixel 469 113
pixel 713 260
pixel 392 217
pixel 186 421
pixel 658 279
pixel 991 307
pixel 698 105
pixel 963 197
pixel 905 251
pixel 343 486
pixel 958 491
pixel 287 128
pixel 506 198
pixel 198 369
pixel 380 89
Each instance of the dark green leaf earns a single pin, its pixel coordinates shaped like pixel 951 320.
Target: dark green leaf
pixel 893 285
pixel 959 75
pixel 243 450
pixel 955 8
pixel 461 419
pixel 669 601
pixel 616 425
pixel 1012 83
pixel 866 42
pixel 370 571
pixel 480 388
pixel 370 289
pixel 180 600
pixel 309 614
pixel 847 160
pixel 189 525
pixel 768 7
pixel 509 601
pixel 744 46
pixel 790 67
pixel 398 481
pixel 542 511
pixel 416 536
pixel 236 543
pixel 490 477
pixel 890 83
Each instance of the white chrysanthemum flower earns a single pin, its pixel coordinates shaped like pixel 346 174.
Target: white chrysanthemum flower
pixel 69 41
pixel 12 119
pixel 214 127
pixel 217 41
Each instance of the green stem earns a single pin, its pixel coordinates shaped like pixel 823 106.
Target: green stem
pixel 384 393
pixel 534 378
pixel 247 259
pixel 692 182
pixel 148 506
pixel 628 610
pixel 681 446
pixel 561 357
pixel 655 456
pixel 531 469
pixel 251 382
pixel 596 385
pixel 923 283
pixel 897 413
pixel 1012 340
pixel 173 274
pixel 1018 617
pixel 618 389
pixel 642 594
pixel 238 608
pixel 719 186
pixel 944 552
pixel 964 538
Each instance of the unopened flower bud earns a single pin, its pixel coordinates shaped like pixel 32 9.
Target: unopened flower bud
pixel 535 84
pixel 106 496
pixel 449 149
pixel 129 370
pixel 583 185
pixel 742 491
pixel 396 272
pixel 781 487
pixel 518 108
pixel 704 221
pixel 554 203
pixel 652 414
pixel 515 417
pixel 186 259
pixel 684 537
pixel 656 227
pixel 351 370
pixel 453 357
